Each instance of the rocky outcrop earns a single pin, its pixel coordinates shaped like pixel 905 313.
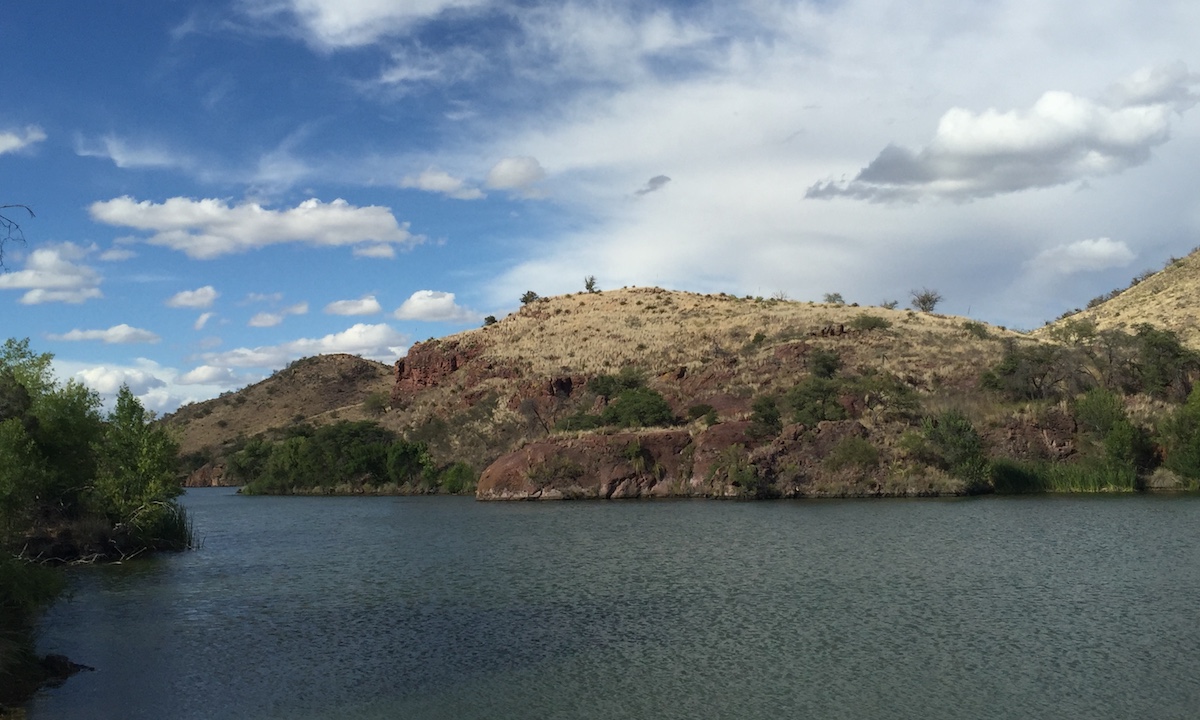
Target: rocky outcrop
pixel 427 365
pixel 209 475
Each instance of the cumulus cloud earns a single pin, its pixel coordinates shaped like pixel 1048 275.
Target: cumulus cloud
pixel 440 181
pixel 198 299
pixel 211 375
pixel 1083 256
pixel 377 342
pixel 15 140
pixel 518 174
pixel 434 306
pixel 108 380
pixel 54 274
pixel 1063 138
pixel 334 24
pixel 211 228
pixel 366 305
pixel 117 334
pixel 655 183
pixel 271 319
pixel 202 320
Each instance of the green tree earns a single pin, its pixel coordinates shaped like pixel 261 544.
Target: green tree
pixel 529 297
pixel 138 462
pixel 638 407
pixel 589 284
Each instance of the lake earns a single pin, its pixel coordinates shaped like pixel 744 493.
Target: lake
pixel 442 607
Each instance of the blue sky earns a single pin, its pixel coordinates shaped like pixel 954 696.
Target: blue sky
pixel 223 187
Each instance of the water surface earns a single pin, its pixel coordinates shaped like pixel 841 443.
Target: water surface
pixel 1045 607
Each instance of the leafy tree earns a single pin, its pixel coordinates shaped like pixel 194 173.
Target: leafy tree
pixel 1181 438
pixel 815 399
pixel 1163 363
pixel 925 299
pixel 765 421
pixel 589 284
pixel 889 304
pixel 408 463
pixel 824 363
pixel 834 299
pixel 489 320
pixel 529 297
pixel 638 407
pixel 607 386
pixel 138 462
pixel 863 321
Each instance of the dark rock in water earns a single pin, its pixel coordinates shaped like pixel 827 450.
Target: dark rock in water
pixel 57 668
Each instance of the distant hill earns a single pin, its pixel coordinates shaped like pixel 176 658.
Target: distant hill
pixel 479 394
pixel 315 389
pixel 1168 299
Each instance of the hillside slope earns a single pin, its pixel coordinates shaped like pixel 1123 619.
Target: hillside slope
pixel 1168 299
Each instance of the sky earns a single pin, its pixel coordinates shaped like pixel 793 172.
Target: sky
pixel 221 188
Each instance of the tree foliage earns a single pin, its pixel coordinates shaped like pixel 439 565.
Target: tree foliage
pixel 925 299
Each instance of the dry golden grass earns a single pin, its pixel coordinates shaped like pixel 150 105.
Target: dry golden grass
pixel 1167 299
pixel 314 389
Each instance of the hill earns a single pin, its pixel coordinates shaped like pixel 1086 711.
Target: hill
pixel 1168 299
pixel 649 392
pixel 479 394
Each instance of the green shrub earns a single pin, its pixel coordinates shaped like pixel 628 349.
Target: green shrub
pixel 852 451
pixel 702 410
pixel 863 321
pixel 638 407
pixel 608 386
pixel 579 421
pixel 1099 410
pixel 824 363
pixel 376 403
pixel 764 418
pixel 1181 438
pixel 457 478
pixel 976 329
pixel 815 399
pixel 960 448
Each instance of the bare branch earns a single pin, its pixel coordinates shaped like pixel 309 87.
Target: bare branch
pixel 10 229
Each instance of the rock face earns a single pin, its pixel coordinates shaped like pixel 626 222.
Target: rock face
pixel 209 475
pixel 427 365
pixel 722 461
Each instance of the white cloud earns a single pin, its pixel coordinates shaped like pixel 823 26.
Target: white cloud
pixel 419 66
pixel 1084 256
pixel 198 299
pixel 15 140
pixel 440 181
pixel 375 251
pixel 211 228
pixel 378 342
pixel 334 24
pixel 202 320
pixel 366 305
pixel 434 306
pixel 515 173
pixel 263 297
pixel 1063 138
pixel 108 380
pixel 117 334
pixel 116 254
pixel 123 154
pixel 271 319
pixel 55 274
pixel 211 375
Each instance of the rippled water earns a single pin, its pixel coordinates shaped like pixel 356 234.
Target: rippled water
pixel 448 608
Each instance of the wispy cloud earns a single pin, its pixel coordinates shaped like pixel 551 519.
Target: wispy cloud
pixel 116 335
pixel 366 305
pixel 16 140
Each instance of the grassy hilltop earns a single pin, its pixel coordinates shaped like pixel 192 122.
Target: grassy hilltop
pixel 645 391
